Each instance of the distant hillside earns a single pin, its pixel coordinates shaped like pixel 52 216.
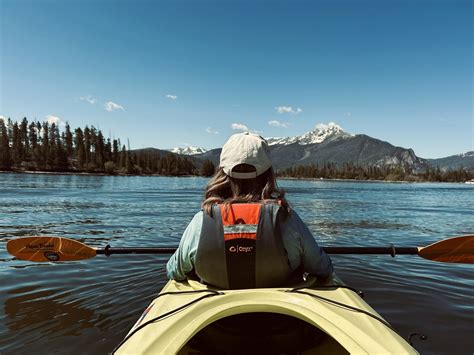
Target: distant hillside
pixel 359 149
pixel 212 155
pixel 455 161
pixel 154 151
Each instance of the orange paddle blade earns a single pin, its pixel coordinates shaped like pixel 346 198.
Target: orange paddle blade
pixel 49 249
pixel 452 250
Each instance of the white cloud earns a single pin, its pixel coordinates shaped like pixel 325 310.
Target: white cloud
pixel 112 106
pixel 211 131
pixel 56 120
pixel 240 127
pixel 347 114
pixel 276 123
pixel 89 99
pixel 171 97
pixel 288 109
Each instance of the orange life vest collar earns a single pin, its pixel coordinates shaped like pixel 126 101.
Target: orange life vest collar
pixel 240 221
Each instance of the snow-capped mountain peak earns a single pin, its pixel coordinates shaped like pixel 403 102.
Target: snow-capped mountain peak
pixel 188 150
pixel 321 133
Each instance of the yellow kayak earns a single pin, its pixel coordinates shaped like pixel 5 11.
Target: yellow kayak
pixel 191 318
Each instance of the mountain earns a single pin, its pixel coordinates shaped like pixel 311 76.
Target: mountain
pixel 188 150
pixel 465 160
pixel 330 143
pixel 321 133
pixel 359 149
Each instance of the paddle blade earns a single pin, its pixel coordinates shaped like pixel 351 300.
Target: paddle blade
pixel 49 249
pixel 452 250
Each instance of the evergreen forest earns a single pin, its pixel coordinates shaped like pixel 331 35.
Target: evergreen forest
pixel 43 146
pixel 388 173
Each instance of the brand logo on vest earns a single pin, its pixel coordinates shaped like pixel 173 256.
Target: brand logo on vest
pixel 239 249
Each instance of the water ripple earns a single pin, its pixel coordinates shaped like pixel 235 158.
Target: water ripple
pixel 88 306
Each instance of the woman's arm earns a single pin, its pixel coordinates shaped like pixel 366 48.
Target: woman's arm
pixel 182 261
pixel 301 245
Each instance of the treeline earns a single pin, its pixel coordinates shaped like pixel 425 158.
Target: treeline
pixel 42 146
pixel 388 173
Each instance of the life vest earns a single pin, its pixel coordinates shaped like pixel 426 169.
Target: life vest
pixel 241 246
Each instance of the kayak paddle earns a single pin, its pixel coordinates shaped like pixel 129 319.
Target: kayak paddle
pixel 43 248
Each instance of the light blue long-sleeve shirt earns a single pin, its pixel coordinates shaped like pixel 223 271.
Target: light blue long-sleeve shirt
pixel 298 241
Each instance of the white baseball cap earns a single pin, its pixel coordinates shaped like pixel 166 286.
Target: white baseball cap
pixel 245 148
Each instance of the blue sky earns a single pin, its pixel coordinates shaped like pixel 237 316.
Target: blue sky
pixel 176 73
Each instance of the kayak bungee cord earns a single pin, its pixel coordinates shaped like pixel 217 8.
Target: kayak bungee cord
pixel 328 287
pixel 211 293
pixel 355 309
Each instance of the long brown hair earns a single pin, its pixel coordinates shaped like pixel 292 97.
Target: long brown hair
pixel 225 189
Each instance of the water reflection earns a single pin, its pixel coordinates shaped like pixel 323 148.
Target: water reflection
pixel 31 306
pixel 34 314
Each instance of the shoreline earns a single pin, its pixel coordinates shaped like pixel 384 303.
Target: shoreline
pixel 81 173
pixel 353 180
pixel 36 172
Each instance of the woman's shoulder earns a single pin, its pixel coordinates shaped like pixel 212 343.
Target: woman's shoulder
pixel 198 216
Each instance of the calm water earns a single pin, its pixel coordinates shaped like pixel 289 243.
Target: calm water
pixel 88 306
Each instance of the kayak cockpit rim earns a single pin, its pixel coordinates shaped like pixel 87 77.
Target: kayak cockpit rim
pixel 261 332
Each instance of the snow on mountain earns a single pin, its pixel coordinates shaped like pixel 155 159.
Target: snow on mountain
pixel 188 150
pixel 321 133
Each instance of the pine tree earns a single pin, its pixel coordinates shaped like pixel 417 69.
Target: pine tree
pixel 99 150
pixel 17 147
pixel 61 162
pixel 10 130
pixel 115 151
pixel 93 145
pixel 5 157
pixel 45 148
pixel 80 150
pixel 125 160
pixel 53 147
pixel 108 151
pixel 26 154
pixel 87 145
pixel 34 143
pixel 68 140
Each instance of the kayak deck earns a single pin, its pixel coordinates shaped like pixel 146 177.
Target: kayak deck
pixel 191 318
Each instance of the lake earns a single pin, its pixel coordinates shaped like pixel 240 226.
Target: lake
pixel 88 306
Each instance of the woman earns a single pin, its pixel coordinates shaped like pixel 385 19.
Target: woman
pixel 246 234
